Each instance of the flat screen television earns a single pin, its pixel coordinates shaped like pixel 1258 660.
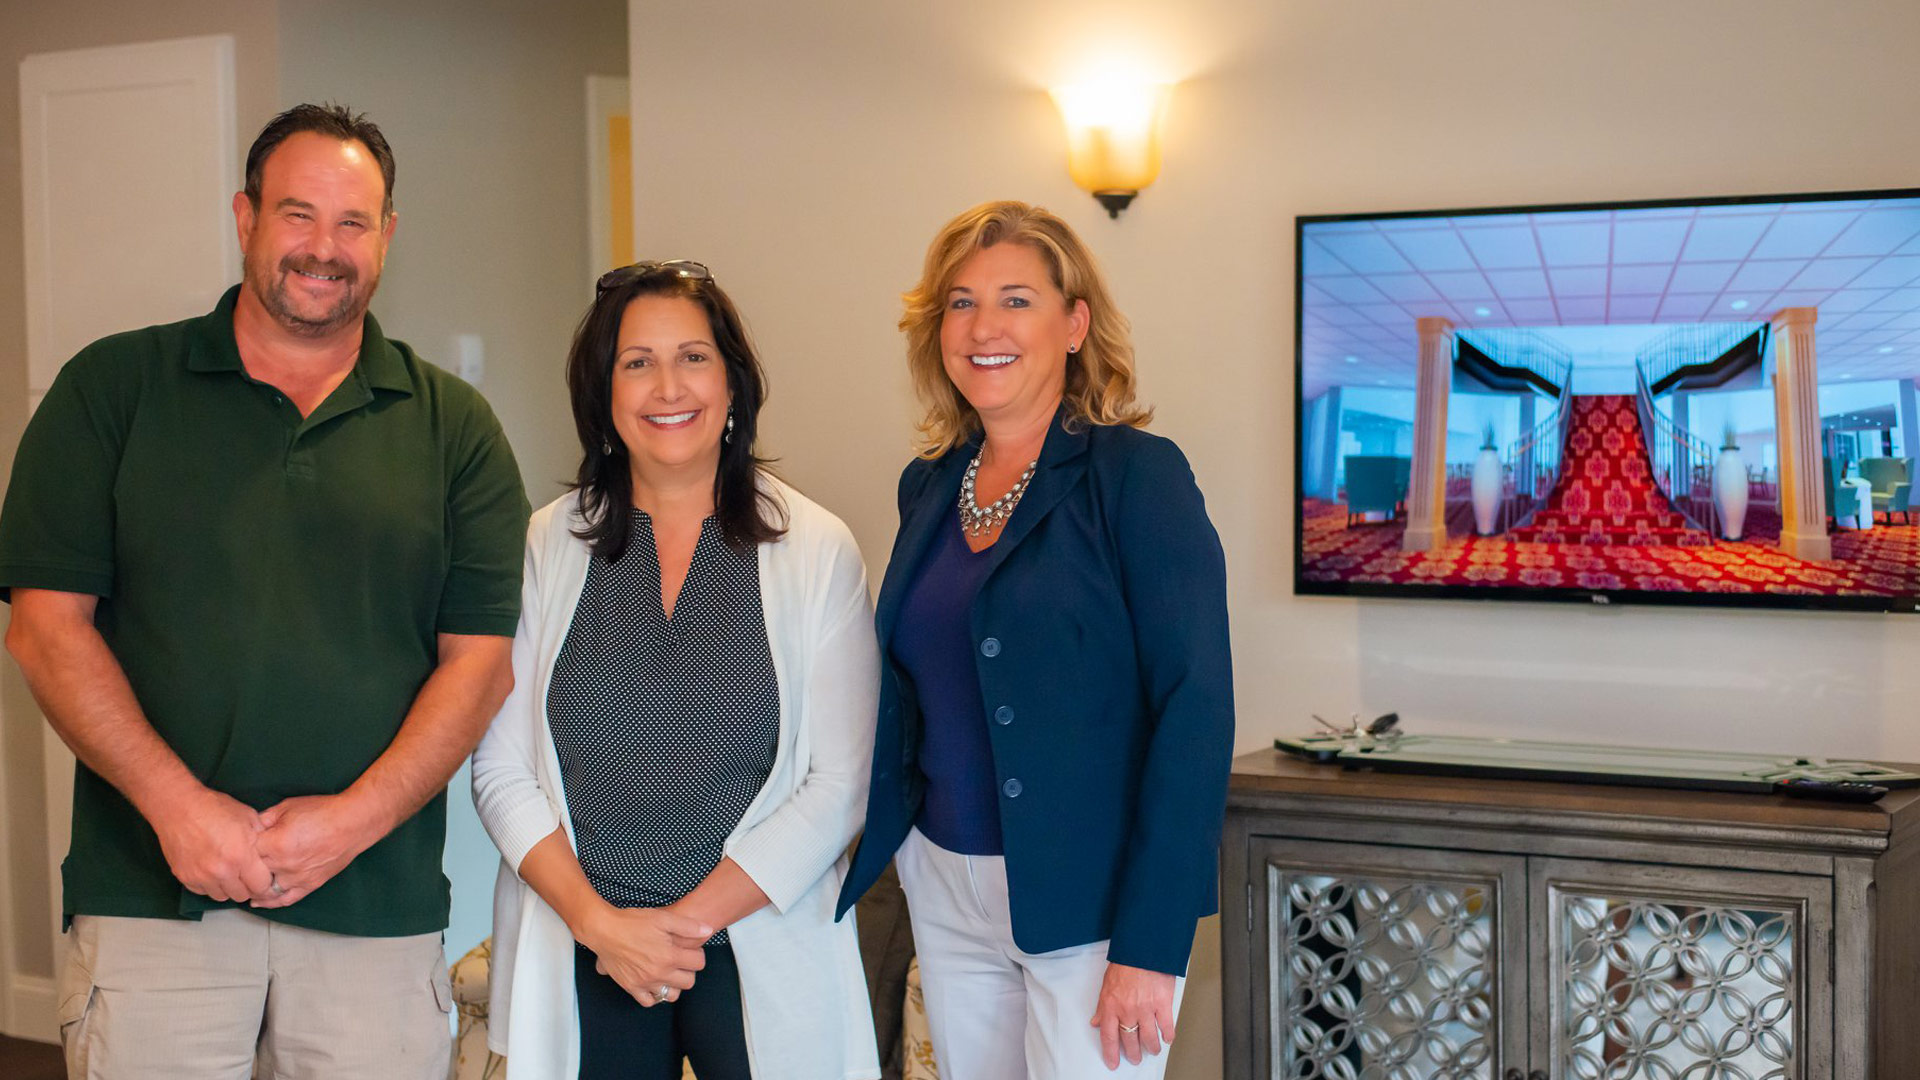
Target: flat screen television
pixel 1685 401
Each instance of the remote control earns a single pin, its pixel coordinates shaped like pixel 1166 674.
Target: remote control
pixel 1853 791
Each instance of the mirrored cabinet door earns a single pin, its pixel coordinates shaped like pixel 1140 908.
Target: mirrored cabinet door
pixel 1387 962
pixel 1654 972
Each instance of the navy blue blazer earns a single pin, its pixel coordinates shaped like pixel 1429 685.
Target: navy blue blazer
pixel 1100 637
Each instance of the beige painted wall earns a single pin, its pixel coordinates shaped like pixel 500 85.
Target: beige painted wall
pixel 808 153
pixel 484 104
pixel 38 26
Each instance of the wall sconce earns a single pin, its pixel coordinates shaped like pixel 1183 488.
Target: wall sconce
pixel 1113 137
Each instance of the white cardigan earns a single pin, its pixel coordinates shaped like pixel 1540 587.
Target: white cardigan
pixel 802 989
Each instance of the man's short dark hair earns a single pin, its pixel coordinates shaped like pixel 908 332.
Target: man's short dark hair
pixel 337 121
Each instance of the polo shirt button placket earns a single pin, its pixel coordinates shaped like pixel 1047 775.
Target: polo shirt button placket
pixel 299 461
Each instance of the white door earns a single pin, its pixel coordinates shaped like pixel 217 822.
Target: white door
pixel 128 165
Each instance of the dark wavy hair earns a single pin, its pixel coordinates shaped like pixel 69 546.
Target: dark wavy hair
pixel 334 121
pixel 747 514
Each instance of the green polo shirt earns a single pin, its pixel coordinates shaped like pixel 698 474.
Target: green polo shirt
pixel 271 583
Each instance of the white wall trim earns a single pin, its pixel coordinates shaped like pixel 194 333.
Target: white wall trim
pixel 30 1009
pixel 162 111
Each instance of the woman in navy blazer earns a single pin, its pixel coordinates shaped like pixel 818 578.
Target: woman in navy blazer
pixel 1056 708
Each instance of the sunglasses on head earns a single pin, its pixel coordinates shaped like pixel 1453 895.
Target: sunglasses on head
pixel 626 275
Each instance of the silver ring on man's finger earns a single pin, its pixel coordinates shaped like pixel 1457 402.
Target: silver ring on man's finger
pixel 274 887
pixel 1128 1029
pixel 661 994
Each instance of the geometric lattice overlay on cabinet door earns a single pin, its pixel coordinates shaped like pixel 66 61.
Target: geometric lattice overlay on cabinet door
pixel 1383 978
pixel 1655 989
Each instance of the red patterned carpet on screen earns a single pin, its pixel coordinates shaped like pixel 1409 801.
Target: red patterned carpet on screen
pixel 1606 493
pixel 1608 527
pixel 1881 561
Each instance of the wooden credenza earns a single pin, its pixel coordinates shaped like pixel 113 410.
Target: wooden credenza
pixel 1406 927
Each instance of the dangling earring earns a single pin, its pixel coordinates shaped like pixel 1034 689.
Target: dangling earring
pixel 728 437
pixel 606 447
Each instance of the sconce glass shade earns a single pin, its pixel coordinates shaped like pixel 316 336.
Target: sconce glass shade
pixel 1113 137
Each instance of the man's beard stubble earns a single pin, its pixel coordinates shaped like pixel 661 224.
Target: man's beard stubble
pixel 271 290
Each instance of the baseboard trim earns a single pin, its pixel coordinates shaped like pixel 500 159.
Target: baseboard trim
pixel 30 1009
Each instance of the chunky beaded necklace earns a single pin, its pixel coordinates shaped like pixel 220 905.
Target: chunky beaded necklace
pixel 977 520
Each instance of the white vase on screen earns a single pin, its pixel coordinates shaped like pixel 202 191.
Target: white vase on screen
pixel 1730 491
pixel 1486 490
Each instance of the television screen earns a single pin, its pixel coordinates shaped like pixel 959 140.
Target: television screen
pixel 1683 401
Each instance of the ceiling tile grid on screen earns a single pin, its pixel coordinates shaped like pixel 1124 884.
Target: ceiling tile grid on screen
pixel 1364 282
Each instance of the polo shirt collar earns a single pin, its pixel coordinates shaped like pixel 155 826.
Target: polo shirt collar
pixel 211 347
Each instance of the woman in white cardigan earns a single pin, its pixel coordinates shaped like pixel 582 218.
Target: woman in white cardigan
pixel 675 777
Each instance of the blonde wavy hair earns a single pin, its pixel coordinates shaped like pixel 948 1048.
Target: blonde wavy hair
pixel 1100 379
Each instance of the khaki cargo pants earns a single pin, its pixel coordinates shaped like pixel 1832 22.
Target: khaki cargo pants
pixel 234 995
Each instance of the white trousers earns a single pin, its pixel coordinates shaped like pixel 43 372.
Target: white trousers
pixel 995 1011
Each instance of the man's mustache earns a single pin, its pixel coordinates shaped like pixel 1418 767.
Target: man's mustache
pixel 310 265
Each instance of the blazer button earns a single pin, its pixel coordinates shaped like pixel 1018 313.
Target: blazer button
pixel 990 647
pixel 1003 715
pixel 1012 788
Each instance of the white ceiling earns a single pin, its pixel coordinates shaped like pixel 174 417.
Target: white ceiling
pixel 1858 261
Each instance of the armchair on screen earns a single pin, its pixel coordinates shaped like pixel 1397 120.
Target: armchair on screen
pixel 1376 484
pixel 1832 476
pixel 1887 476
pixel 1900 502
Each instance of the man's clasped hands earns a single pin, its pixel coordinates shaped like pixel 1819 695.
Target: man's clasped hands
pixel 222 848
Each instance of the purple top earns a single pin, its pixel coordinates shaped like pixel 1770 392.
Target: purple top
pixel 934 646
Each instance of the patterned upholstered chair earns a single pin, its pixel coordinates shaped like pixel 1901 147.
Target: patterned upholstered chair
pixel 471 1058
pixel 473 1061
pixel 916 1043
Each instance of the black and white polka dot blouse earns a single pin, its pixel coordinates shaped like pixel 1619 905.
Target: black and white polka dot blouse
pixel 665 728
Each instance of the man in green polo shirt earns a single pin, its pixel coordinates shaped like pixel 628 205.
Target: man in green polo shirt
pixel 265 572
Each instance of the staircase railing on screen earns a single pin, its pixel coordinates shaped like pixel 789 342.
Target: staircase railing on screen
pixel 1690 344
pixel 1530 464
pixel 1534 461
pixel 1682 463
pixel 1516 348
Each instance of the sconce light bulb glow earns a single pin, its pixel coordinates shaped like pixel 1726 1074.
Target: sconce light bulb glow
pixel 1113 105
pixel 1113 132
